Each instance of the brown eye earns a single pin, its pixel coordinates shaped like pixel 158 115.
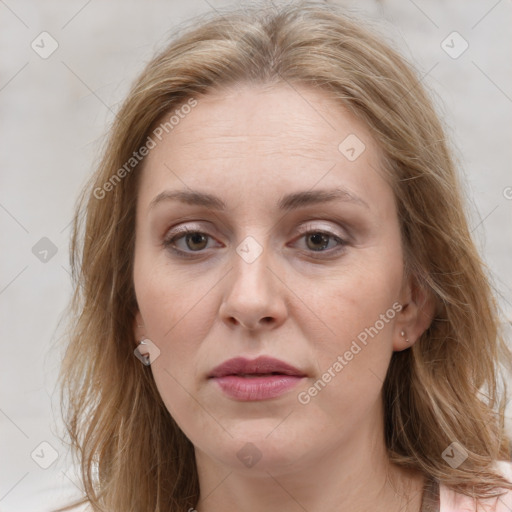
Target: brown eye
pixel 184 242
pixel 317 241
pixel 322 242
pixel 196 241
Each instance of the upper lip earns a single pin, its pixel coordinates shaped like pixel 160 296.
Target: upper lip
pixel 260 365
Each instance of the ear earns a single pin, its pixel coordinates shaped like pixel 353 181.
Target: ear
pixel 416 315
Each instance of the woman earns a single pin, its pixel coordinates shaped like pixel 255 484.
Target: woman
pixel 276 232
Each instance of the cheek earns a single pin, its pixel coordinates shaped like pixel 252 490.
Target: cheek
pixel 352 363
pixel 170 301
pixel 177 317
pixel 357 316
pixel 354 297
pixel 178 312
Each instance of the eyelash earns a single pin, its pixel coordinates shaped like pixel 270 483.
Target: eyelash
pixel 169 242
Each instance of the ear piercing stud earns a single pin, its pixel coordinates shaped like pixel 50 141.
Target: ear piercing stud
pixel 402 333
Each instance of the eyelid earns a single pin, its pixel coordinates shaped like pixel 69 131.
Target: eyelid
pixel 323 229
pixel 185 229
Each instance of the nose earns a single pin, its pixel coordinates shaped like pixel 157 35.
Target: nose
pixel 255 295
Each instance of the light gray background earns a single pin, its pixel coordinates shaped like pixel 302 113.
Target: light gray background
pixel 55 112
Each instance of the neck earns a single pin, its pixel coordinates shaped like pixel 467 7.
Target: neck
pixel 354 476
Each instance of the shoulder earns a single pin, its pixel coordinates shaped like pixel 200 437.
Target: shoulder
pixel 450 501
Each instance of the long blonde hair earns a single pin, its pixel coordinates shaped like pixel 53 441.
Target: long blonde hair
pixel 132 455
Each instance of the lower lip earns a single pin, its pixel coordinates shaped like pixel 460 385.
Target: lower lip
pixel 256 388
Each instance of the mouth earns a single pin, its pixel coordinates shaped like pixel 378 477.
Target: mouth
pixel 257 379
pixel 262 366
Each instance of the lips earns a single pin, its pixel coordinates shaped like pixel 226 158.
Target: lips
pixel 257 379
pixel 261 366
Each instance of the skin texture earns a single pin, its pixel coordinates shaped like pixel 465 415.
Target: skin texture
pixel 250 146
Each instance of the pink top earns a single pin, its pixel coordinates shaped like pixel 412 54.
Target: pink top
pixel 451 501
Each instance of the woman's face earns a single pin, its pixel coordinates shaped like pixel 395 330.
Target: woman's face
pixel 293 253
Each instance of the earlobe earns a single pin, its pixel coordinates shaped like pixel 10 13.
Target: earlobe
pixel 138 327
pixel 414 319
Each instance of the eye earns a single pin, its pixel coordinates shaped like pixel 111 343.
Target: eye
pixel 322 241
pixel 185 241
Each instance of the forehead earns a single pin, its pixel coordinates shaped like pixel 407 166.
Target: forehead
pixel 253 139
pixel 297 118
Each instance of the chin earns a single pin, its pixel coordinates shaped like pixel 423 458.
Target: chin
pixel 258 447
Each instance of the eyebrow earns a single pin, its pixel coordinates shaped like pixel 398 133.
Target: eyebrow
pixel 290 201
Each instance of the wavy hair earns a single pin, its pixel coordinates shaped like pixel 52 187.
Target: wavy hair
pixel 445 388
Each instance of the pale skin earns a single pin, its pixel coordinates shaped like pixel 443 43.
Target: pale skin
pixel 300 300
